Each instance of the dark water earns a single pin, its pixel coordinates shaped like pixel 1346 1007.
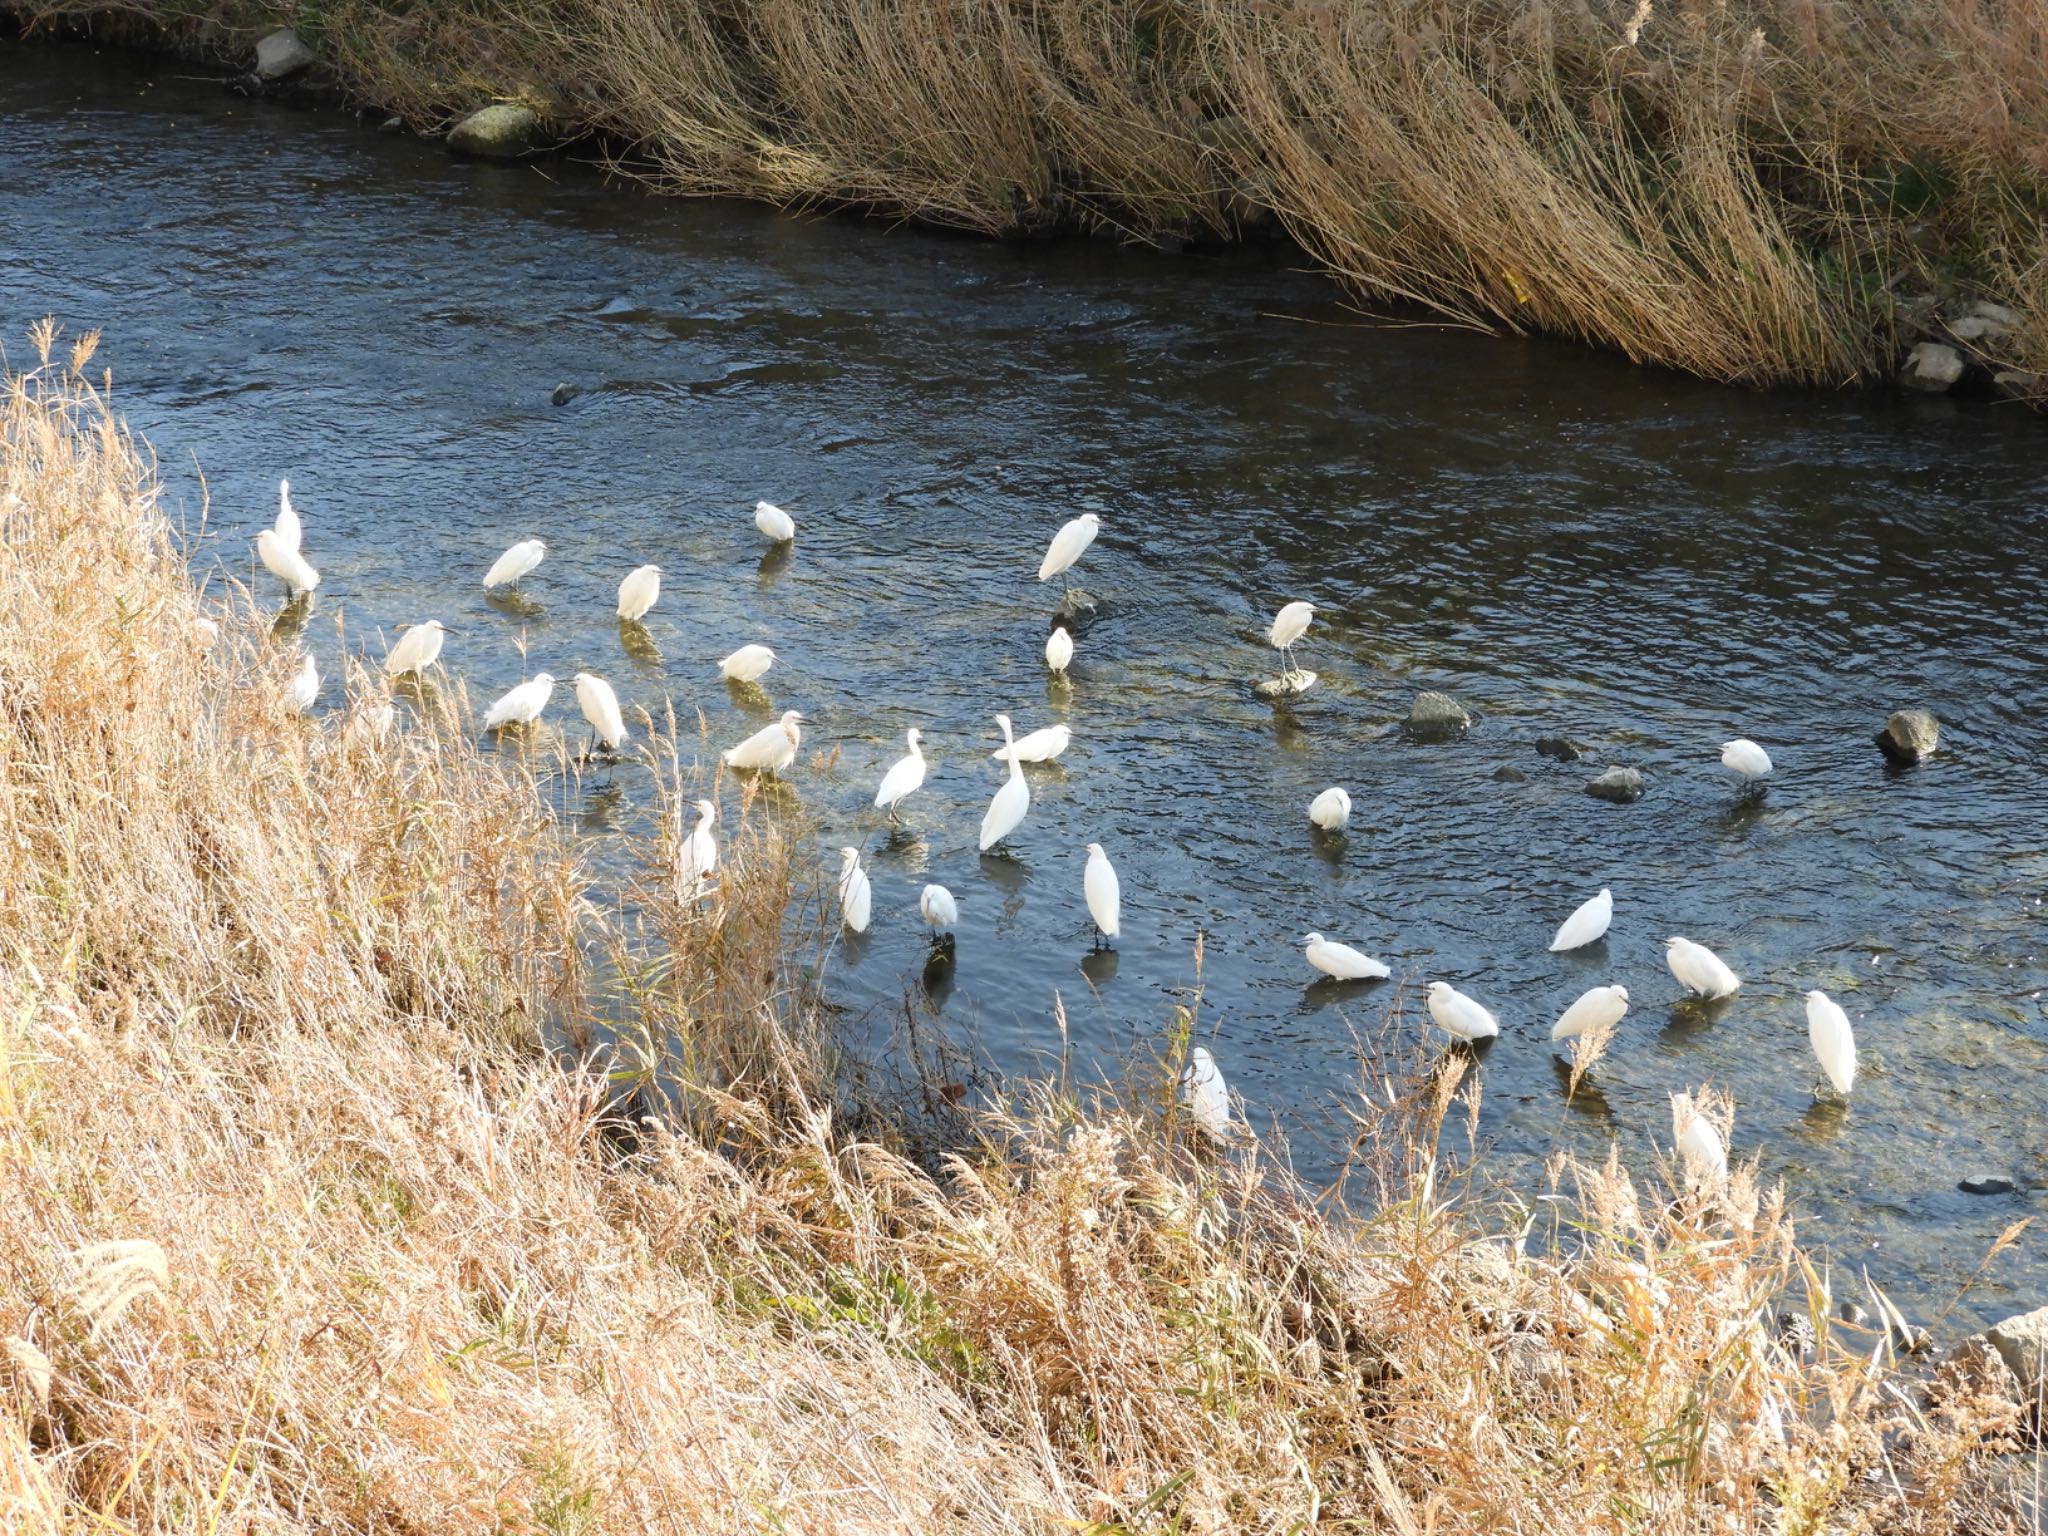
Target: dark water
pixel 1647 564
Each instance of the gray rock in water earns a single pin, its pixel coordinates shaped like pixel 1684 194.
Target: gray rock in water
pixel 1437 717
pixel 392 124
pixel 1909 736
pixel 1986 1184
pixel 1559 748
pixel 2022 1343
pixel 1507 773
pixel 501 132
pixel 564 393
pixel 1849 1312
pixel 1621 785
pixel 1932 367
pixel 282 54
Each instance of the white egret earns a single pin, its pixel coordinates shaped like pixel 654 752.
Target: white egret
pixel 1331 810
pixel 698 855
pixel 1289 625
pixel 515 563
pixel 905 776
pixel 600 707
pixel 1699 1143
pixel 773 747
pixel 1040 746
pixel 638 592
pixel 1834 1042
pixel 776 525
pixel 1596 1008
pixel 205 631
pixel 856 898
pixel 1587 923
pixel 1746 758
pixel 288 528
pixel 1205 1096
pixel 1059 650
pixel 1341 960
pixel 747 664
pixel 938 908
pixel 1105 896
pixel 1006 808
pixel 417 649
pixel 286 563
pixel 521 705
pixel 1699 969
pixel 304 687
pixel 1460 1015
pixel 1068 545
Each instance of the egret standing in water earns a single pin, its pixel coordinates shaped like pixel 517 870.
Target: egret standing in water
pixel 638 592
pixel 515 563
pixel 1105 897
pixel 855 896
pixel 1341 961
pixel 773 747
pixel 1059 651
pixel 600 707
pixel 935 904
pixel 1205 1096
pixel 521 705
pixel 775 525
pixel 1460 1016
pixel 1586 924
pixel 1700 1146
pixel 1289 625
pixel 1597 1008
pixel 904 778
pixel 1005 813
pixel 1746 758
pixel 286 563
pixel 1698 969
pixel 418 648
pixel 1068 545
pixel 1331 810
pixel 748 664
pixel 1040 746
pixel 304 687
pixel 1834 1042
pixel 698 855
pixel 288 529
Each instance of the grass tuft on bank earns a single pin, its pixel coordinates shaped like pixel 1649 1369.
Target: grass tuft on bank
pixel 307 1229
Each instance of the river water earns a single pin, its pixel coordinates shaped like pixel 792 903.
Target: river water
pixel 1645 564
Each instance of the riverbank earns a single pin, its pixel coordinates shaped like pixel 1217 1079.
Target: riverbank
pixel 1757 193
pixel 311 1233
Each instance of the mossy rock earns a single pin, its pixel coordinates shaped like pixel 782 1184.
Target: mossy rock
pixel 500 132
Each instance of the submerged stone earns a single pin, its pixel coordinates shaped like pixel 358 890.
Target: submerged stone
pixel 281 54
pixel 1559 748
pixel 500 132
pixel 1986 1184
pixel 1909 736
pixel 1437 717
pixel 1620 785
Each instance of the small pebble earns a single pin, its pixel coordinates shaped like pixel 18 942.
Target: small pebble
pixel 1849 1312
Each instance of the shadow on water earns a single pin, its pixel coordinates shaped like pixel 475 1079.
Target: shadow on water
pixel 1330 847
pixel 514 603
pixel 1824 1121
pixel 603 808
pixel 290 622
pixel 1330 992
pixel 938 976
pixel 774 561
pixel 1691 1017
pixel 1589 1102
pixel 751 700
pixel 1100 967
pixel 639 646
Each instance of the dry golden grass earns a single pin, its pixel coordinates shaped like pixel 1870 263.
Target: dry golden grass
pixel 304 1232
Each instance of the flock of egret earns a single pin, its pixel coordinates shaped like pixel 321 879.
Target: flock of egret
pixel 774 748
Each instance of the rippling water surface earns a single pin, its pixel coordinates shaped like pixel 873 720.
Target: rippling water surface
pixel 1566 544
